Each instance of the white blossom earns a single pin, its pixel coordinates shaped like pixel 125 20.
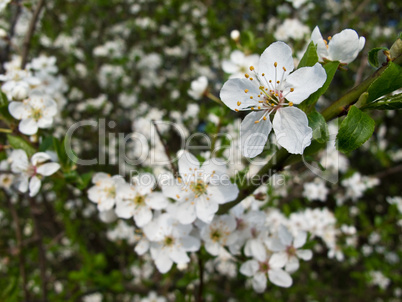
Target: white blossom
pixel 274 89
pixel 343 47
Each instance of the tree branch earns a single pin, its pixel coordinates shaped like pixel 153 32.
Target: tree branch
pixel 21 258
pixel 29 35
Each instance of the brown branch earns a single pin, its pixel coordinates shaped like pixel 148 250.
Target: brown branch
pixel 388 172
pixel 165 146
pixel 41 250
pixel 21 258
pixel 5 54
pixel 29 35
pixel 201 272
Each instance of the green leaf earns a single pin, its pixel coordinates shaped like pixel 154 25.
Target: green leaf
pixel 47 144
pixel 373 56
pixel 330 68
pixel 19 143
pixel 66 162
pixel 355 129
pixel 389 103
pixel 389 81
pixel 3 99
pixel 310 57
pixel 320 128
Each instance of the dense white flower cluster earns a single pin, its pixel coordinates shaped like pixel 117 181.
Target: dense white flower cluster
pixel 35 93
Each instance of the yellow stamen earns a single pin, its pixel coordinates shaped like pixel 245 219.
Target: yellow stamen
pixel 290 103
pixel 245 90
pixel 251 68
pixel 238 103
pixel 246 75
pixel 276 64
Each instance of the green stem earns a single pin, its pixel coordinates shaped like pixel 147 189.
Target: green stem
pixel 341 106
pixel 282 158
pixel 2 130
pixel 214 98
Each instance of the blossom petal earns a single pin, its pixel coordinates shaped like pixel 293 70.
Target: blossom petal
pixel 163 263
pixel 254 136
pixel 233 94
pixel 18 110
pixel 259 282
pixel 190 243
pixel 48 169
pixel 304 254
pixel 187 164
pixel 280 277
pixel 28 126
pixel 305 81
pixel 142 246
pixel 249 268
pixel 322 50
pixel 224 192
pixel 278 260
pixel 142 216
pixel 279 53
pixel 284 235
pixel 300 239
pixel 186 212
pixel 39 158
pixel 344 46
pixel 206 209
pixel 292 130
pixel 156 201
pixel 34 186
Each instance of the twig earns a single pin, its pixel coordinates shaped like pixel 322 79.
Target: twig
pixel 41 250
pixel 201 271
pixel 390 171
pixel 165 146
pixel 31 30
pixel 11 32
pixel 21 257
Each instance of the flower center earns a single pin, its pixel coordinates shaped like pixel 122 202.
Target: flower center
pixel 264 267
pixel 169 240
pixel 199 188
pixel 139 200
pixel 291 250
pixel 272 94
pixel 215 235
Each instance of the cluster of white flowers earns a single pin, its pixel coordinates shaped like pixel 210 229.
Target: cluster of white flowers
pixel 35 93
pixel 30 173
pixel 176 221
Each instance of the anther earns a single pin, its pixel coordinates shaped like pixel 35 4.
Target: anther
pixel 263 74
pixel 252 108
pixel 284 69
pixel 245 90
pixel 259 107
pixel 292 89
pixel 256 122
pixel 251 68
pixel 264 118
pixel 237 110
pixel 251 79
pixel 238 103
pixel 246 75
pixel 276 64
pixel 251 97
pixel 290 103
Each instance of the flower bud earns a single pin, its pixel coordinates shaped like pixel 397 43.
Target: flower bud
pixel 235 35
pixel 20 92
